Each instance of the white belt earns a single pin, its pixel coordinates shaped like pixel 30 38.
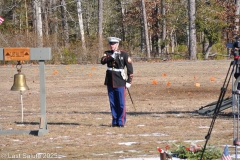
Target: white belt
pixel 114 69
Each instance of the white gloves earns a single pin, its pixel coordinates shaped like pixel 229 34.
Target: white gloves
pixel 128 85
pixel 114 55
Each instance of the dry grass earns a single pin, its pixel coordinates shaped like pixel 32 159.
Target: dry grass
pixel 78 111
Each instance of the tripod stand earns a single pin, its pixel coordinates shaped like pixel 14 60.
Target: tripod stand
pixel 234 66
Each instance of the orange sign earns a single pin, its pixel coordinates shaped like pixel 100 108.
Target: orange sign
pixel 16 54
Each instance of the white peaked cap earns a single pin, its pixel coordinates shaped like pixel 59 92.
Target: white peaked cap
pixel 114 39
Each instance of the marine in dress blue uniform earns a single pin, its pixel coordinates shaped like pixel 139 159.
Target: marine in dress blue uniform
pixel 116 80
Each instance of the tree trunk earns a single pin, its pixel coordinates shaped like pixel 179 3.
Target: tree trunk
pixel 122 10
pixel 209 47
pixel 64 23
pixel 26 17
pixel 38 14
pixel 142 36
pixel 1 6
pixel 205 45
pixel 164 31
pixel 192 49
pixel 81 29
pixel 100 29
pixel 45 17
pixel 14 15
pixel 20 19
pixel 53 22
pixel 155 34
pixel 172 39
pixel 145 29
pixel 237 2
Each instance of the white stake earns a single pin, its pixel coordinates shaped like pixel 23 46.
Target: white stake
pixel 21 104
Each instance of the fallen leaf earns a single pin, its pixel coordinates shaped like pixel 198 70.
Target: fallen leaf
pixel 168 83
pixel 154 82
pixel 212 79
pixel 55 72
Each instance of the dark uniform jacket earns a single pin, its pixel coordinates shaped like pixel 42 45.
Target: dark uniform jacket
pixel 114 78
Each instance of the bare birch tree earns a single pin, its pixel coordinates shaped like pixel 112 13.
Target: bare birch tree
pixel 192 49
pixel 237 2
pixel 145 29
pixel 81 29
pixel 164 31
pixel 38 14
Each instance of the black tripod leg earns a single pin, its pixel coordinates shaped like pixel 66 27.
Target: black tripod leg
pixel 236 114
pixel 219 103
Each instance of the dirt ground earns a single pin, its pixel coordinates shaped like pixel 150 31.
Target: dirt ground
pixel 166 95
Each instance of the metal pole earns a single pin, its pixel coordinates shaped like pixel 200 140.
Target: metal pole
pixel 43 121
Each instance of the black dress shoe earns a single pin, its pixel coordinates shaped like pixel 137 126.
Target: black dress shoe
pixel 114 125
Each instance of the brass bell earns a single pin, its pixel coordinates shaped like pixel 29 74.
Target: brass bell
pixel 19 83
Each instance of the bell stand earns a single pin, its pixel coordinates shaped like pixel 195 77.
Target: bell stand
pixel 234 67
pixel 40 54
